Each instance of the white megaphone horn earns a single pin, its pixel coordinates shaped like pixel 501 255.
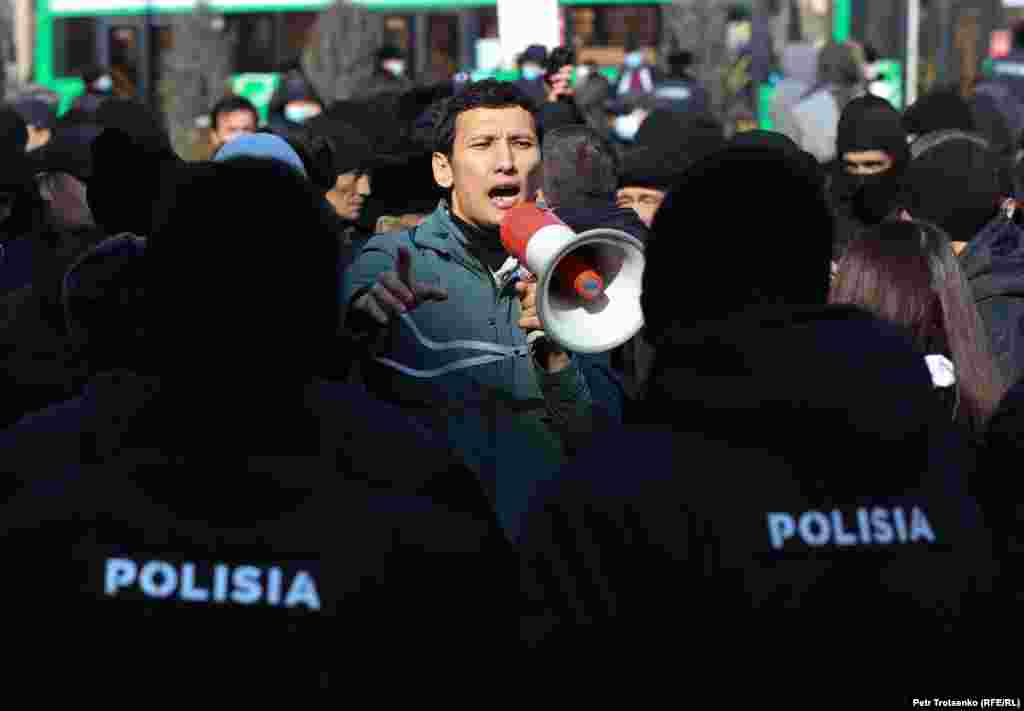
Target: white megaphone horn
pixel 589 284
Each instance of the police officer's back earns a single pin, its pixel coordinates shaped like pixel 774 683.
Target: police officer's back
pixel 793 477
pixel 220 497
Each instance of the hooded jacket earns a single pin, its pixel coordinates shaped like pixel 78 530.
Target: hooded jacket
pixel 797 480
pixel 868 123
pixel 993 263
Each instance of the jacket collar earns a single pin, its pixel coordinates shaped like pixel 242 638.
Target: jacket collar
pixel 440 233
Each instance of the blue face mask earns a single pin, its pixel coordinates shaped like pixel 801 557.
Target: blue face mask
pixel 626 127
pixel 300 113
pixel 634 59
pixel 532 72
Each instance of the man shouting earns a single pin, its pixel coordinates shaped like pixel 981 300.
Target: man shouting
pixel 446 316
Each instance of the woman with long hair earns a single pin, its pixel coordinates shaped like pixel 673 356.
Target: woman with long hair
pixel 905 272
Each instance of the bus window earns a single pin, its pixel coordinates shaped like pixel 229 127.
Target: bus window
pixel 124 60
pixel 74 45
pixel 444 47
pixel 297 31
pixel 814 21
pixel 397 34
pixel 600 32
pixel 256 45
pixel 162 42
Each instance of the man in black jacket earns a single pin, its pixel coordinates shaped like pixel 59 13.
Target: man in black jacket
pixel 956 181
pixel 793 479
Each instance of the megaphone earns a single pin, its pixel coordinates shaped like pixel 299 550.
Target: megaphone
pixel 589 284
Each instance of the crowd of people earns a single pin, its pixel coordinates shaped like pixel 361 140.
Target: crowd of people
pixel 299 396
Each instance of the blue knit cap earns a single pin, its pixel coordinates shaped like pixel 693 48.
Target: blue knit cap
pixel 261 145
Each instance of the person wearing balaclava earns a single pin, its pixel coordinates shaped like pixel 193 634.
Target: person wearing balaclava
pixel 816 117
pixel 872 157
pixel 956 181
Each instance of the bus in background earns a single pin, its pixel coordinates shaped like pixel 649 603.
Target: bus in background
pixel 440 38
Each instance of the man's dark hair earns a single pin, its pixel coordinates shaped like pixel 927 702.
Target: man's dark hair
pixel 315 151
pixel 580 167
pixel 230 104
pixel 486 94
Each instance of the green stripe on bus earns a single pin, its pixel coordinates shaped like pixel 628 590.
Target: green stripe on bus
pixel 99 8
pixel 44 43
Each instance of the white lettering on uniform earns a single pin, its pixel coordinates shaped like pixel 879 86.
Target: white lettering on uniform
pixel 880 525
pixel 189 591
pixel 864 524
pixel 274 586
pixel 242 585
pixel 901 524
pixel 247 585
pixel 220 583
pixel 780 527
pixel 168 579
pixel 842 537
pixel 120 573
pixel 808 533
pixel 919 527
pixel 875 526
pixel 303 590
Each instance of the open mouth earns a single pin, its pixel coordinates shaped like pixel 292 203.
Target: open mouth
pixel 505 197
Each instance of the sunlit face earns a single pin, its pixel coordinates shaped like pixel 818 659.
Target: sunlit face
pixel 645 201
pixel 866 162
pixel 494 164
pixel 349 194
pixel 234 124
pixel 37 137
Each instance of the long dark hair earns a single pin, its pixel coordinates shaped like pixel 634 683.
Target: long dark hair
pixel 906 272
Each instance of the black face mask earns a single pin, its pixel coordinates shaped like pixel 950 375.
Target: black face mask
pixel 877 197
pixel 867 198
